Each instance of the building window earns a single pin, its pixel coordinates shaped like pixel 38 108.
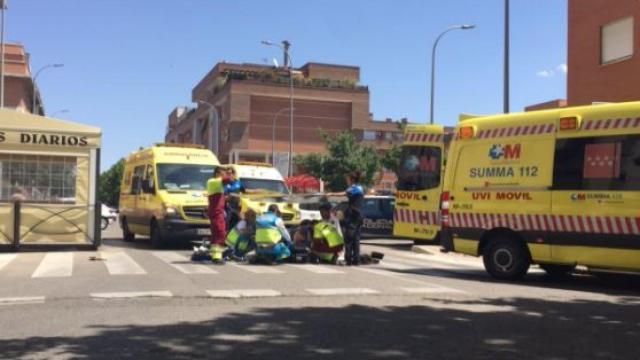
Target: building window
pixel 40 179
pixel 617 40
pixel 369 135
pixel 388 136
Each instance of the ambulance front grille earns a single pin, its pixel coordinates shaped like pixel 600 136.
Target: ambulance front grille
pixel 195 212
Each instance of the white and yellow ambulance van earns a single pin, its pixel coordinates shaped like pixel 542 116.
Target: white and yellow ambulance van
pixel 163 193
pixel 266 186
pixel 416 214
pixel 558 188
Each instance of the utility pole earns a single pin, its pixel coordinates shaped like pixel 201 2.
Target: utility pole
pixel 286 45
pixel 506 57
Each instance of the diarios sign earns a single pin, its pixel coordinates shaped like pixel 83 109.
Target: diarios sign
pixel 46 139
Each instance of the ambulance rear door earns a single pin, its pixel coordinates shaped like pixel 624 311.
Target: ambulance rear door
pixel 420 176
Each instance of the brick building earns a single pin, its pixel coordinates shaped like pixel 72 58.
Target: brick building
pixel 19 87
pixel 236 107
pixel 604 51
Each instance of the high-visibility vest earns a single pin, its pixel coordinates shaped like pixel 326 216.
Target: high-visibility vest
pixel 214 186
pixel 325 230
pixel 232 238
pixel 267 232
pixel 235 239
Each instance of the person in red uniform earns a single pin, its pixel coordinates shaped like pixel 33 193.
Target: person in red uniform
pixel 215 192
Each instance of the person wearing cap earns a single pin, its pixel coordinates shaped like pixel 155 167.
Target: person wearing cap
pixel 273 242
pixel 217 223
pixel 327 239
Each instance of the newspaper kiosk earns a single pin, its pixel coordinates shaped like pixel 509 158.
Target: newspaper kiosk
pixel 48 181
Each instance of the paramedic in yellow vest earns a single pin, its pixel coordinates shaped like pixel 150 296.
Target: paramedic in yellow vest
pixel 242 238
pixel 327 240
pixel 273 242
pixel 215 192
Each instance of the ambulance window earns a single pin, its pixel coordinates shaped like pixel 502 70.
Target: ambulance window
pixel 136 181
pixel 597 163
pixel 419 168
pixel 149 179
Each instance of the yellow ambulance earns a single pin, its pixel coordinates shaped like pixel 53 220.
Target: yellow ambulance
pixel 266 186
pixel 416 214
pixel 558 188
pixel 163 193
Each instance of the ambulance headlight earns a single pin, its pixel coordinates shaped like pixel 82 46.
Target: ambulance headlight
pixel 170 209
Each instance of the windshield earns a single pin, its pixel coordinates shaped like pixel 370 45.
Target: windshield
pixel 184 176
pixel 419 168
pixel 264 184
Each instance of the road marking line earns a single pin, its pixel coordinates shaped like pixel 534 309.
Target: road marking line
pixel 259 269
pixel 119 263
pixel 6 259
pixel 22 300
pixel 56 264
pixel 182 263
pixel 431 290
pixel 131 294
pixel 243 293
pixel 342 291
pixel 317 269
pixel 395 266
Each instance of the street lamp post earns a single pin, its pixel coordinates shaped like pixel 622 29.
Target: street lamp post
pixel 63 111
pixel 215 110
pixel 273 135
pixel 286 45
pixel 35 86
pixel 433 62
pixel 505 99
pixel 3 7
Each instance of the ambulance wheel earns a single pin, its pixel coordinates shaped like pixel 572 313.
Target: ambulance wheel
pixel 506 258
pixel 127 235
pixel 557 270
pixel 156 235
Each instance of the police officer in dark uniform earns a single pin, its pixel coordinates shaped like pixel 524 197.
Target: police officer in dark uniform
pixel 352 221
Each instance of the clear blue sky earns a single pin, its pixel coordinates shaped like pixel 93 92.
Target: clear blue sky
pixel 128 63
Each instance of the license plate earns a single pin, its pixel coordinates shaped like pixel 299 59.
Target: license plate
pixel 203 231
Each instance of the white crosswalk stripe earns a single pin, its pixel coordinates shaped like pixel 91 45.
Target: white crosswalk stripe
pixel 119 263
pixel 183 264
pixel 55 264
pixel 22 300
pixel 259 269
pixel 342 291
pixel 131 294
pixel 243 293
pixel 430 290
pixel 5 259
pixel 317 269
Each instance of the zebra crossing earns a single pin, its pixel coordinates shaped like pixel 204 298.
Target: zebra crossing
pixel 120 262
pixel 158 274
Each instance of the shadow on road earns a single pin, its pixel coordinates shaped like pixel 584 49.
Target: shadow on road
pixel 441 329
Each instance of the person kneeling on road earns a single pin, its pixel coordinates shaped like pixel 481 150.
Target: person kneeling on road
pixel 242 238
pixel 327 240
pixel 273 242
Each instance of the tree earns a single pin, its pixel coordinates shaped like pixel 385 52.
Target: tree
pixel 109 184
pixel 391 159
pixel 344 155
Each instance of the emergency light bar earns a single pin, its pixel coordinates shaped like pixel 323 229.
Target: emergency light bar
pixel 569 123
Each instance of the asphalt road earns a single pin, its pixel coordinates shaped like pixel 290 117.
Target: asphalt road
pixel 133 302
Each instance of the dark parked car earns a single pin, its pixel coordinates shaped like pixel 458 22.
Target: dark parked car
pixel 378 215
